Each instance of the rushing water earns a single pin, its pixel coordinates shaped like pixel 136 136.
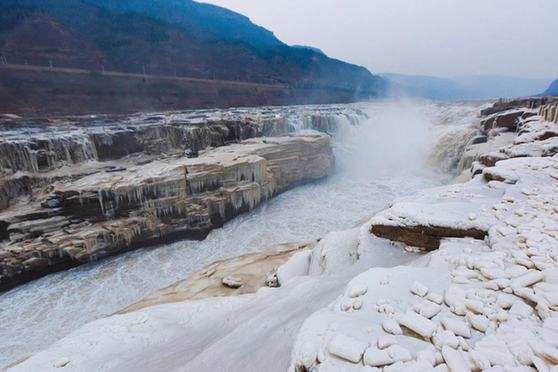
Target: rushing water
pixel 378 160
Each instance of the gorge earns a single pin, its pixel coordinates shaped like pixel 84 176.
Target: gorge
pixel 301 214
pixel 271 186
pixel 439 270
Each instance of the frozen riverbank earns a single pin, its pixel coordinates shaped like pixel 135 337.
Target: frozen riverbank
pixel 485 304
pixel 55 305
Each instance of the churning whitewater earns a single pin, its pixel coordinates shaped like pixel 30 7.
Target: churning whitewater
pixel 399 149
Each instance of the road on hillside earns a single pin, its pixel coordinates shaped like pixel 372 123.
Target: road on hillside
pixel 67 70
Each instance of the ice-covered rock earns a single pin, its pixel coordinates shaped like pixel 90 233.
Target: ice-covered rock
pixel 297 265
pixel 454 360
pixel 232 282
pixel 427 309
pixel 425 219
pixel 419 289
pixel 347 348
pixel 399 353
pixel 418 324
pixel 445 338
pixel 391 326
pixel 386 341
pixel 375 357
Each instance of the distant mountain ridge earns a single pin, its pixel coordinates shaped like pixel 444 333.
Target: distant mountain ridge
pixel 463 87
pixel 552 90
pixel 198 19
pixel 317 50
pixel 168 37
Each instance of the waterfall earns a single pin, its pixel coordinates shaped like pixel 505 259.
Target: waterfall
pixel 456 125
pixel 325 120
pixel 43 152
pixel 451 144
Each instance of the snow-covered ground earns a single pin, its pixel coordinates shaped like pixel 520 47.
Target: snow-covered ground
pixel 244 333
pixel 222 334
pixel 474 305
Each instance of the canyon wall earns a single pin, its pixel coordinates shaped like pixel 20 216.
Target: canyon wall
pixel 75 190
pixel 25 91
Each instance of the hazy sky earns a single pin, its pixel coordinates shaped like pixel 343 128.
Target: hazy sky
pixel 430 37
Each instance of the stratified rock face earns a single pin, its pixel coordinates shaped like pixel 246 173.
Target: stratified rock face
pixel 52 147
pixel 424 236
pixel 106 213
pixel 76 193
pixel 524 103
pixel 36 152
pixel 507 120
pixel 549 112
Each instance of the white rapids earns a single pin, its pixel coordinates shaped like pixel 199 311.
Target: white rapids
pixel 377 160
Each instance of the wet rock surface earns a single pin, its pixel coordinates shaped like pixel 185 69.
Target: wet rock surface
pixel 76 191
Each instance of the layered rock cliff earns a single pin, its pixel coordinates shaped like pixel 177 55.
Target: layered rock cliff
pixel 75 191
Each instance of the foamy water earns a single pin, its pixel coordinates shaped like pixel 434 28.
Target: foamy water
pixel 382 158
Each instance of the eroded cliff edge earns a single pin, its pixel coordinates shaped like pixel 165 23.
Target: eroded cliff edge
pixel 80 189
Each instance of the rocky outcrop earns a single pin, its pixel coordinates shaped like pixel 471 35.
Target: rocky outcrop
pixel 512 133
pixel 49 145
pixel 252 272
pixel 109 212
pixel 424 220
pixel 549 112
pixel 75 190
pixel 37 152
pixel 524 103
pixel 507 120
pixel 424 236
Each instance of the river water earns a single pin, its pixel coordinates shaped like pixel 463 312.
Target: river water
pixel 403 147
